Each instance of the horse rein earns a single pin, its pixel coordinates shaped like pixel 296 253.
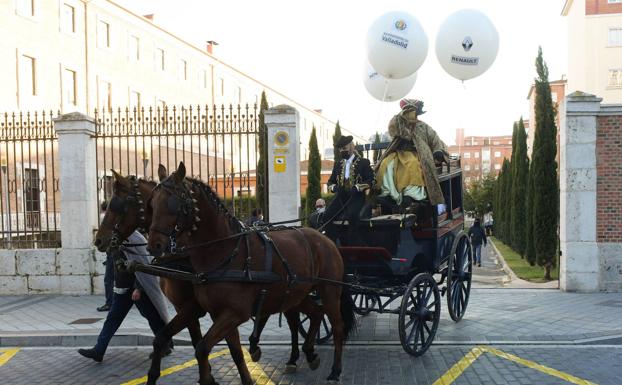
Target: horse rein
pixel 119 206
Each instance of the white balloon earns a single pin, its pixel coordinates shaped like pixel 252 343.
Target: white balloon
pixel 387 90
pixel 396 45
pixel 467 44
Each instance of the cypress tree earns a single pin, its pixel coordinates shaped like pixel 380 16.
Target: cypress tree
pixel 511 225
pixel 314 170
pixel 336 137
pixel 499 207
pixel 506 191
pixel 545 183
pixel 261 172
pixel 520 165
pixel 530 251
pixel 376 153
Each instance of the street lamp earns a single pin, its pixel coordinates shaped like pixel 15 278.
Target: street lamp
pixel 145 157
pixel 5 190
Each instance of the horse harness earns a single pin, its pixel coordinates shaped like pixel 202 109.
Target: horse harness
pixel 120 206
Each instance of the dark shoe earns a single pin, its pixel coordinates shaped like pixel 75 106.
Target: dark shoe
pixel 105 307
pixel 92 354
pixel 479 265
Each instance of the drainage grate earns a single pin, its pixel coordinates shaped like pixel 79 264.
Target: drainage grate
pixel 85 321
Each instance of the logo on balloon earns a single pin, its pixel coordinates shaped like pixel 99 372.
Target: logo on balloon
pixel 467 43
pixel 400 25
pixel 395 40
pixel 469 61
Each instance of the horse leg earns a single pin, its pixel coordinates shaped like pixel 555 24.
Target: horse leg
pixel 331 299
pixel 225 323
pixel 235 349
pixel 315 314
pixel 254 348
pixel 194 328
pixel 293 321
pixel 186 314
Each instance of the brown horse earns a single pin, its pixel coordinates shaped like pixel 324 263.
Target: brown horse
pixel 126 213
pixel 187 212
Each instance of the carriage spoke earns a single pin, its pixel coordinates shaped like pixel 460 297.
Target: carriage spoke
pixel 425 324
pixel 423 340
pixel 427 297
pixel 412 332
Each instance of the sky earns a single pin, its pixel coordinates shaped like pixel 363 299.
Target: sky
pixel 315 52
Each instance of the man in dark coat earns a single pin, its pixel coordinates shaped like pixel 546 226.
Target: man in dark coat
pixel 350 178
pixel 316 219
pixel 478 236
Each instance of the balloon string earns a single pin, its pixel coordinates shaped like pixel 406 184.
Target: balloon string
pixel 380 110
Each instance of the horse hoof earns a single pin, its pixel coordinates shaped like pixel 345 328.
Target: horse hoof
pixel 290 368
pixel 315 363
pixel 256 355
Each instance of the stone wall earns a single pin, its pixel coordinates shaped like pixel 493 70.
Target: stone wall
pixel 50 271
pixel 591 199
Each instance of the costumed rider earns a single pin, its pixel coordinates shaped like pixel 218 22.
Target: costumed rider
pixel 350 178
pixel 140 289
pixel 406 172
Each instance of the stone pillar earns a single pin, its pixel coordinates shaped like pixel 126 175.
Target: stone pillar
pixel 579 263
pixel 78 196
pixel 283 141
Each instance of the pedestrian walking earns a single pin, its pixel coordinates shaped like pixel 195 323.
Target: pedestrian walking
pixel 317 217
pixel 129 289
pixel 109 273
pixel 478 236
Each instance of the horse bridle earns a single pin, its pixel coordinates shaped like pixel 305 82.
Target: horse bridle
pixel 182 203
pixel 120 206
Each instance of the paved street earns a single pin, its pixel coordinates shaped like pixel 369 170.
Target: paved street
pixel 508 336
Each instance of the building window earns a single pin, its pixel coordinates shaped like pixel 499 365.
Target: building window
pixel 105 95
pixel 497 166
pixel 614 1
pixel 477 167
pixel 27 76
pixel 222 86
pixel 476 154
pixel 159 59
pixel 183 70
pixel 69 87
pixel 134 99
pixel 134 48
pixel 68 19
pixel 32 201
pixel 497 154
pixel 467 179
pixel 103 34
pixel 203 82
pixel 25 7
pixel 615 78
pixel 467 168
pixel 467 155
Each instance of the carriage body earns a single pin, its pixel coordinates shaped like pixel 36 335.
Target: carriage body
pixel 405 259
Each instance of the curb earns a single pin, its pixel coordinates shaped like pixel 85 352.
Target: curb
pixel 504 265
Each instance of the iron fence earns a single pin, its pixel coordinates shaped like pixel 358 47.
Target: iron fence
pixel 29 183
pixel 218 144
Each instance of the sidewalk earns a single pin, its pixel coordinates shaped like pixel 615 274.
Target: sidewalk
pixel 493 316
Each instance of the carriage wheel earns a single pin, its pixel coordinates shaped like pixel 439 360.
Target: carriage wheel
pixel 459 274
pixel 364 303
pixel 419 314
pixel 324 334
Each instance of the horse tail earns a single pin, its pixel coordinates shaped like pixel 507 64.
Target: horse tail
pixel 347 312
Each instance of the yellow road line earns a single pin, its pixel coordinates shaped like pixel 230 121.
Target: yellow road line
pixel 7 354
pixel 456 370
pixel 536 366
pixel 176 368
pixel 259 376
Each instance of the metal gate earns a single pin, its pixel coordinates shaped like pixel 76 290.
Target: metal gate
pixel 218 145
pixel 29 181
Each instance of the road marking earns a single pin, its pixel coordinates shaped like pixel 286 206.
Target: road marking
pixel 455 371
pixel 176 368
pixel 7 354
pixel 257 373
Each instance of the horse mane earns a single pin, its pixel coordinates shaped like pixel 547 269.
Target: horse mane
pixel 215 200
pixel 117 185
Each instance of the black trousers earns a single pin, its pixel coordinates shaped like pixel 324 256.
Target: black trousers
pixel 355 202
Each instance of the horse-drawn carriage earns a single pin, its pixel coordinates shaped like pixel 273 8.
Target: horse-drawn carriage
pixel 266 272
pixel 395 258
